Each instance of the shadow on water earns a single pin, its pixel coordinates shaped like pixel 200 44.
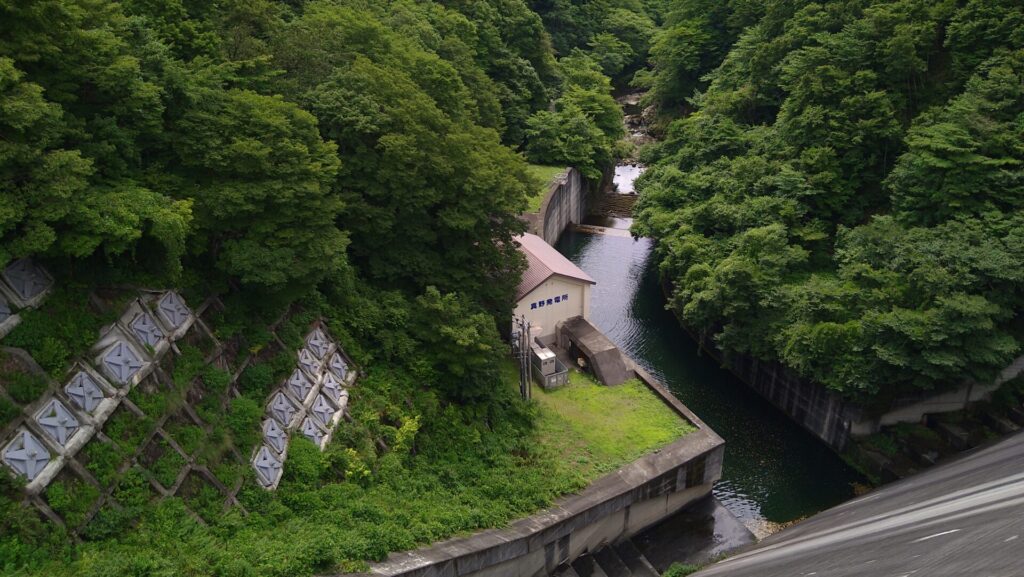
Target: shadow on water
pixel 773 470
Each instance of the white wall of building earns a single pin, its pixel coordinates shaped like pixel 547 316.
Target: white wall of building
pixel 548 315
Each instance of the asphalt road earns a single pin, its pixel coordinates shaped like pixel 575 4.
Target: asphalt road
pixel 963 519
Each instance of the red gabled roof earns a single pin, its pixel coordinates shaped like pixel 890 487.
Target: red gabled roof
pixel 543 262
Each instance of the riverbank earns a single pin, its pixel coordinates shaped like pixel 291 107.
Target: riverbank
pixel 774 471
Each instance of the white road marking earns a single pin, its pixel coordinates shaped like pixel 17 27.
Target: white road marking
pixel 980 503
pixel 986 492
pixel 935 535
pixel 1011 538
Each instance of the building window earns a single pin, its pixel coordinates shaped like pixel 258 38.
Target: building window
pixel 558 299
pixel 565 297
pixel 549 301
pixel 533 306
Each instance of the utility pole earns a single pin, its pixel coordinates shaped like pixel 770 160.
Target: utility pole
pixel 523 327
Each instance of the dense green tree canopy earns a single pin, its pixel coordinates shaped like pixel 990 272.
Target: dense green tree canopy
pixel 614 33
pixel 268 142
pixel 846 198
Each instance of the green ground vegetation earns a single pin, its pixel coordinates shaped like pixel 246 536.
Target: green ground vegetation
pixel 542 177
pixel 448 469
pixel 598 429
pixel 680 570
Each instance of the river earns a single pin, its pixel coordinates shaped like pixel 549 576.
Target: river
pixel 774 471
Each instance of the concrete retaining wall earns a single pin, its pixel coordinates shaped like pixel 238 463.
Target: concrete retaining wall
pixel 835 420
pixel 913 408
pixel 825 414
pixel 616 506
pixel 565 203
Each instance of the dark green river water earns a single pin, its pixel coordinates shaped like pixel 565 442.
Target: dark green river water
pixel 773 470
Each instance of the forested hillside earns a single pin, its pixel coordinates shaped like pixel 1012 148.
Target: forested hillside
pixel 357 161
pixel 847 196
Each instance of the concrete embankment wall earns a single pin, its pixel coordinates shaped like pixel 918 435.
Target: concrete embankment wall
pixel 825 414
pixel 614 507
pixel 565 203
pixel 835 420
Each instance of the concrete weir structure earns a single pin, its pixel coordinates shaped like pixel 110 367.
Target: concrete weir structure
pixel 564 204
pixel 613 508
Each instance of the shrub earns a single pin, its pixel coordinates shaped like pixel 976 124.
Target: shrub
pixel 63 327
pixel 108 522
pixel 71 499
pixel 304 464
pixel 188 437
pixel 8 411
pixel 167 466
pixel 257 380
pixel 133 492
pixel 208 502
pixel 126 430
pixel 216 380
pixel 187 366
pixel 25 387
pixel 243 420
pixel 153 404
pixel 103 460
pixel 680 570
pixel 882 443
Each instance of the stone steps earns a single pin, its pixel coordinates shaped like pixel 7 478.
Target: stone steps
pixel 586 566
pixel 638 564
pixel 565 571
pixel 610 562
pixel 623 559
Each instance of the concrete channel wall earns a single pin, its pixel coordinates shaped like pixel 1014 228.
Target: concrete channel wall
pixel 616 506
pixel 835 420
pixel 565 203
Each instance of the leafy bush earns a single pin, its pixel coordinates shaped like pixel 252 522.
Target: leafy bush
pixel 882 443
pixel 153 404
pixel 103 460
pixel 8 411
pixel 680 570
pixel 257 380
pixel 24 387
pixel 63 327
pixel 208 503
pixel 217 380
pixel 127 430
pixel 187 366
pixel 71 499
pixel 243 419
pixel 133 491
pixel 108 522
pixel 189 437
pixel 167 467
pixel 304 464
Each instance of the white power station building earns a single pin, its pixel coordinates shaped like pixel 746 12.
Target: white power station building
pixel 552 290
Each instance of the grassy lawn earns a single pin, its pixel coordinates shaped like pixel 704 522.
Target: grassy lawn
pixel 543 176
pixel 598 429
